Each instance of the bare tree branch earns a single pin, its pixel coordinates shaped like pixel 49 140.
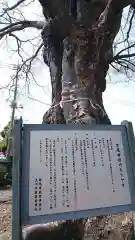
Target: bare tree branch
pixel 13 20
pixel 18 26
pixel 118 57
pixel 26 66
pixel 130 24
pixel 7 9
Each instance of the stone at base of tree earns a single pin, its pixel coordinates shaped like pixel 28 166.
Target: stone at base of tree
pixel 69 230
pixel 113 227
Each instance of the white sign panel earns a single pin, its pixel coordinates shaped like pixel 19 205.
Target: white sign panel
pixel 76 170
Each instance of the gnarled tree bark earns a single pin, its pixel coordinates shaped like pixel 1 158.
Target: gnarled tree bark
pixel 78 39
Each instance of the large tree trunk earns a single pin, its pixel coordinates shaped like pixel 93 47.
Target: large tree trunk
pixel 78 54
pixel 78 42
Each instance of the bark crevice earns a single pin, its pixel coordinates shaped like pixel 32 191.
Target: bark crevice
pixel 78 47
pixel 78 42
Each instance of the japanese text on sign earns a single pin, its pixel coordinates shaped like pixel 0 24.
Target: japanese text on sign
pixel 76 170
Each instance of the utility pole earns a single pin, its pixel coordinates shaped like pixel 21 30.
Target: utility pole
pixel 10 138
pixel 13 106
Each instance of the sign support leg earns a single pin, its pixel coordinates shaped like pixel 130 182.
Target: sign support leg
pixel 16 182
pixel 131 141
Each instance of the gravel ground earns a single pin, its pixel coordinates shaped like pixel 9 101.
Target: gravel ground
pixel 116 227
pixel 113 227
pixel 5 220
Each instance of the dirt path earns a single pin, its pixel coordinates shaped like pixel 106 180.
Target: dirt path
pixel 5 195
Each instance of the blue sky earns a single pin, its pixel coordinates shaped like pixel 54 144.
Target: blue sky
pixel 119 99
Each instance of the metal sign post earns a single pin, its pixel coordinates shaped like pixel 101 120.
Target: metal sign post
pixel 131 141
pixel 71 171
pixel 16 182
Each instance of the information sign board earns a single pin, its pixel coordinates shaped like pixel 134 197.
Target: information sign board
pixel 75 171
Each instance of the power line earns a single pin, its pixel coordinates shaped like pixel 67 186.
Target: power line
pixel 9 66
pixel 34 99
pixel 123 102
pixel 14 67
pixel 22 114
pixel 37 100
pixel 115 101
